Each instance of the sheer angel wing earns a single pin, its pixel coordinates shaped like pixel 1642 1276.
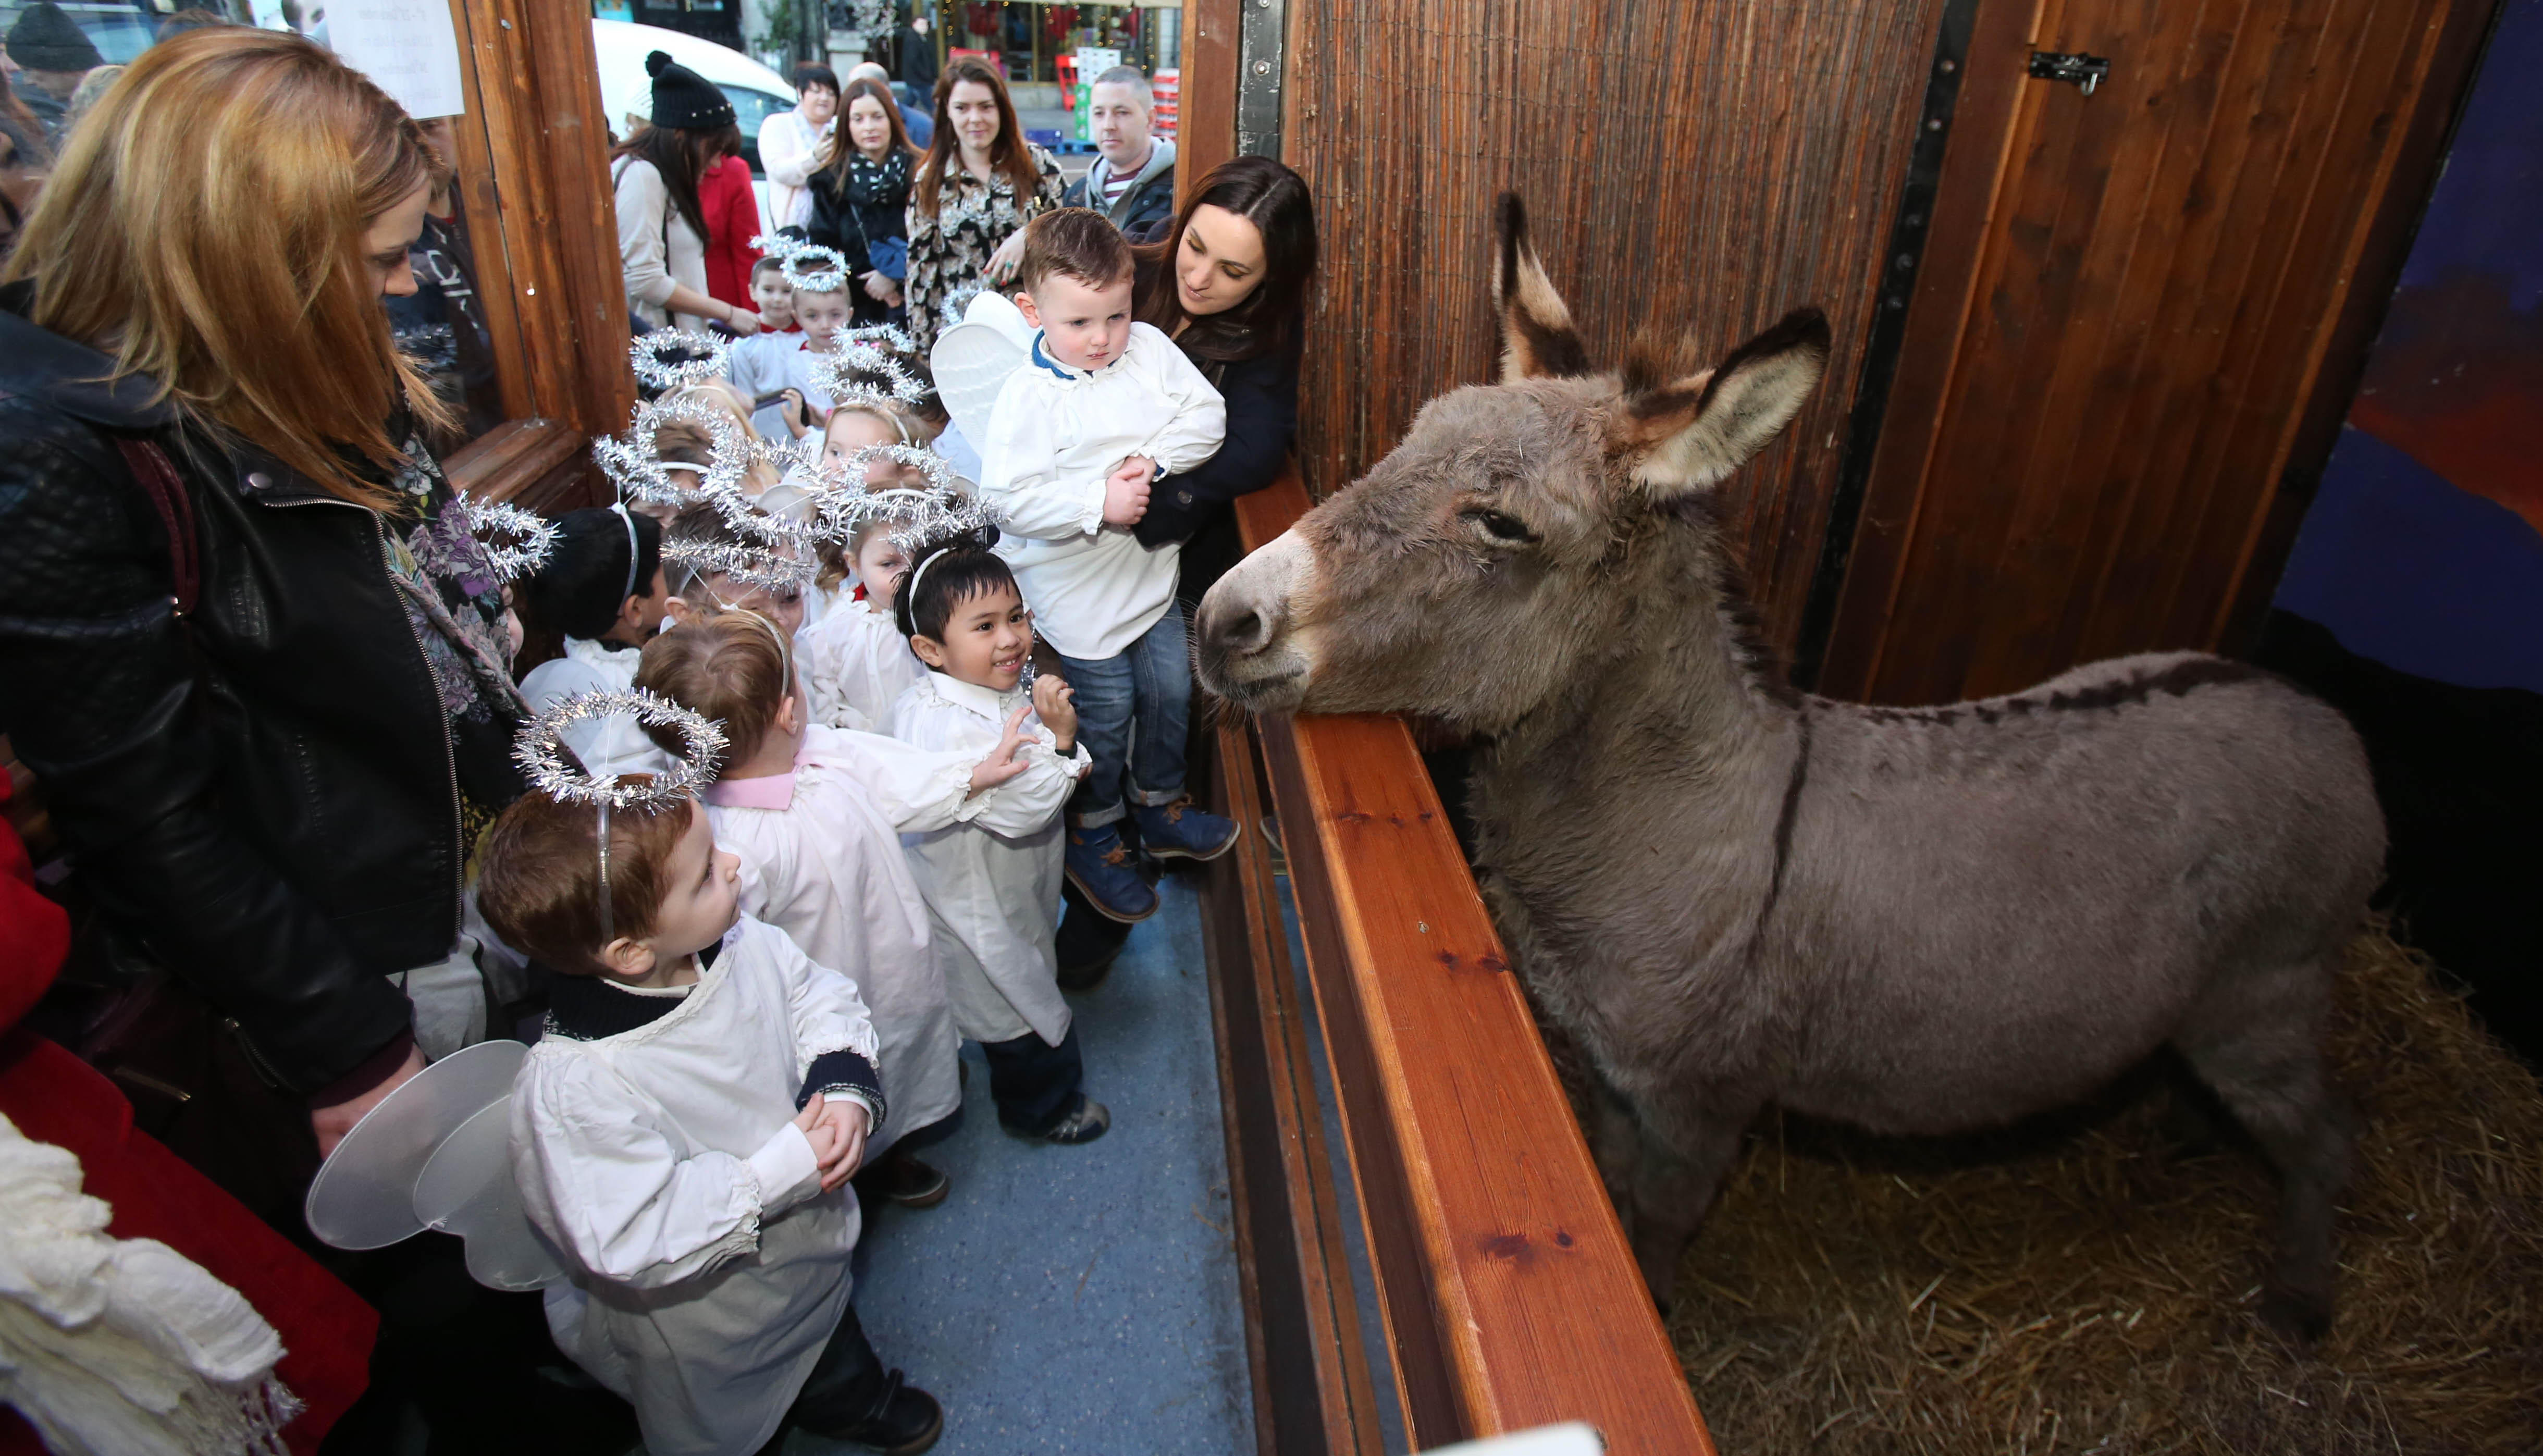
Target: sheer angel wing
pixel 973 359
pixel 436 1154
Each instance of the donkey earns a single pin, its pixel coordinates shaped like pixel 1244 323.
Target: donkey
pixel 1915 920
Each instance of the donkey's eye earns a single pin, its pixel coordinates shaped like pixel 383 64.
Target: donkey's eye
pixel 1501 527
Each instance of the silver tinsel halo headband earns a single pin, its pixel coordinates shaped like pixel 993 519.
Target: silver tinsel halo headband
pixel 827 271
pixel 772 568
pixel 848 377
pixel 694 358
pixel 959 300
pixel 536 533
pixel 918 513
pixel 540 751
pixel 634 461
pixel 890 337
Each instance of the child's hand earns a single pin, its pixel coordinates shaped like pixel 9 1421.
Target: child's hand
pixel 821 1134
pixel 1054 702
pixel 1125 494
pixel 1141 464
pixel 1002 763
pixel 790 408
pixel 843 1126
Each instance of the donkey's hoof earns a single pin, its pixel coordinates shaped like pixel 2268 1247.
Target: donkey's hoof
pixel 2301 1319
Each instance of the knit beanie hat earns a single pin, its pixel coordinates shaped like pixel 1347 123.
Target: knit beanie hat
pixel 46 39
pixel 682 98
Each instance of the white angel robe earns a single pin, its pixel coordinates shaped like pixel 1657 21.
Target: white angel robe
pixel 821 860
pixel 664 1165
pixel 606 745
pixel 855 665
pixel 992 881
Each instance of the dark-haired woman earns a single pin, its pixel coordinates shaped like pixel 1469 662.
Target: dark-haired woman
pixel 979 184
pixel 1227 281
pixel 860 200
pixel 662 228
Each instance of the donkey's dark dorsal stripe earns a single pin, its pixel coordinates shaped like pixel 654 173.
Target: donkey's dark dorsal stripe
pixel 1538 340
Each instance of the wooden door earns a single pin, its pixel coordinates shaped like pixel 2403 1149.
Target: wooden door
pixel 2125 310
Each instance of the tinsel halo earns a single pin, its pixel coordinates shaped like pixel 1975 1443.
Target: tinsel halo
pixel 540 751
pixel 774 568
pixel 634 462
pixel 850 376
pixel 537 536
pixel 918 513
pixel 961 300
pixel 890 337
pixel 698 357
pixel 814 268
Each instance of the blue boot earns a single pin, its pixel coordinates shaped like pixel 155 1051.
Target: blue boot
pixel 1100 865
pixel 1180 830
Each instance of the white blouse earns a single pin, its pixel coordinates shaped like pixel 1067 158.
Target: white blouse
pixel 855 665
pixel 789 150
pixel 660 1156
pixel 820 860
pixel 655 245
pixel 992 883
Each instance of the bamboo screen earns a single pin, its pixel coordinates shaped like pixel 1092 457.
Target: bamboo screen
pixel 1706 166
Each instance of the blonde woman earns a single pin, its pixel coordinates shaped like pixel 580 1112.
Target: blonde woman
pixel 251 647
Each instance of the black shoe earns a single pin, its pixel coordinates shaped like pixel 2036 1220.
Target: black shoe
pixel 1089 942
pixel 902 1179
pixel 1085 1122
pixel 904 1421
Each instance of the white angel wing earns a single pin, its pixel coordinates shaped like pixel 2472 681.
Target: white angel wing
pixel 436 1154
pixel 973 359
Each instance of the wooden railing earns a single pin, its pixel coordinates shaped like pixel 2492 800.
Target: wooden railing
pixel 1508 1297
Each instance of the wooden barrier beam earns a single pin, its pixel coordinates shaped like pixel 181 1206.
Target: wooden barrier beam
pixel 1510 1297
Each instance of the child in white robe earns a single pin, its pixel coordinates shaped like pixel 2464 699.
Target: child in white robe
pixel 601 586
pixel 815 815
pixel 855 662
pixel 992 883
pixel 683 1131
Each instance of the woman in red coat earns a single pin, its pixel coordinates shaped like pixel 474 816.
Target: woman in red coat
pixel 732 210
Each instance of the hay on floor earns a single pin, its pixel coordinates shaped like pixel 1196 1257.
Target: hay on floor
pixel 2096 1291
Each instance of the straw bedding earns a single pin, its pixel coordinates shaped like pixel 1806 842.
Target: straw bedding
pixel 2090 1284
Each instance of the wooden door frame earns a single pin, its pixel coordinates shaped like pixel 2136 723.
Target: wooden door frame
pixel 1863 566
pixel 534 164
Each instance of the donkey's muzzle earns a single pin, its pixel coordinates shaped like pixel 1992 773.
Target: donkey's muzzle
pixel 1246 646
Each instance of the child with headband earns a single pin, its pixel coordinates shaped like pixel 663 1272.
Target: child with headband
pixel 683 1130
pixel 992 884
pixel 602 587
pixel 855 660
pixel 815 816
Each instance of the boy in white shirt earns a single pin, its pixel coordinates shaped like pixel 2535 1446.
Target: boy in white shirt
pixel 683 1132
pixel 776 370
pixel 1103 410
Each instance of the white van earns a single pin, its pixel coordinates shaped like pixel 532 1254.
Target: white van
pixel 757 92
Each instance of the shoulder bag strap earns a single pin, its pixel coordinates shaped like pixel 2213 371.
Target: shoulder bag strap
pixel 158 479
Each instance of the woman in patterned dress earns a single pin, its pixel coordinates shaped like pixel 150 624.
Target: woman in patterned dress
pixel 981 182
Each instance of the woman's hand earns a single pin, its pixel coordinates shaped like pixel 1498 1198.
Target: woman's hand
pixel 1004 262
pixel 740 320
pixel 331 1123
pixel 878 288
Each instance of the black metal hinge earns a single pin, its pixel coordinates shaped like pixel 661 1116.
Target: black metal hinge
pixel 2086 71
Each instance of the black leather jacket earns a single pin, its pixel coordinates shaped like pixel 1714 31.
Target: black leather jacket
pixel 267 794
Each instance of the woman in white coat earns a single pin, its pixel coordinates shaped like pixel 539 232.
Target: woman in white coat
pixel 791 142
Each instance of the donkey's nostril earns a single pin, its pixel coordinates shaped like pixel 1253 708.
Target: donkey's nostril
pixel 1246 633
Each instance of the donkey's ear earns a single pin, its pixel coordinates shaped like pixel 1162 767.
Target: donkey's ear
pixel 1538 340
pixel 1688 434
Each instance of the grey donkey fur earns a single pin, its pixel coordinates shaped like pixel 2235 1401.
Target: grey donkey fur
pixel 1917 921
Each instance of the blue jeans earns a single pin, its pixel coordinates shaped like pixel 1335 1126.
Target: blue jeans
pixel 1132 711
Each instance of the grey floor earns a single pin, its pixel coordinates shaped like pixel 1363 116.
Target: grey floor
pixel 1081 1299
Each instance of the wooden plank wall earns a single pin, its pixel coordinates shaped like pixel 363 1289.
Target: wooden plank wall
pixel 1702 165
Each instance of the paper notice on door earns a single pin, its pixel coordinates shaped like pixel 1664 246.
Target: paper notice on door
pixel 408 47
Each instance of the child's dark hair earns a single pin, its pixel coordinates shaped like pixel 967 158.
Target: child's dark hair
pixel 767 266
pixel 539 887
pixel 584 582
pixel 1077 243
pixel 942 575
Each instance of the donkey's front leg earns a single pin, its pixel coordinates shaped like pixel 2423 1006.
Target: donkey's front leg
pixel 1686 1146
pixel 1616 1144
